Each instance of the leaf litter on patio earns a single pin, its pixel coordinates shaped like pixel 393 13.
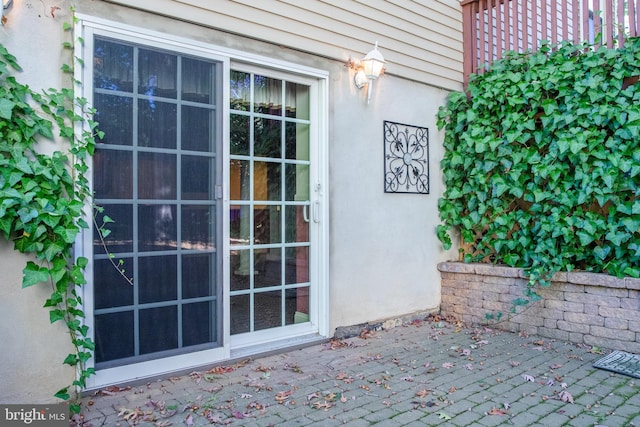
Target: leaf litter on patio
pixel 263 387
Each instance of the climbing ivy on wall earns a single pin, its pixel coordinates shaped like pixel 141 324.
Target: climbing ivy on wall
pixel 542 163
pixel 44 195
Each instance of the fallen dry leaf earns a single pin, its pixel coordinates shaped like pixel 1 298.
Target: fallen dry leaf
pixel 330 397
pixel 366 334
pixel 497 411
pixel 131 415
pixel 220 370
pixel 335 344
pixel 528 378
pixel 212 417
pixel 255 405
pixel 159 405
pixel 342 375
pixel 113 389
pixel 322 405
pixel 282 396
pixel 294 368
pixel 238 415
pixel 565 396
pixel 423 393
pixel 443 416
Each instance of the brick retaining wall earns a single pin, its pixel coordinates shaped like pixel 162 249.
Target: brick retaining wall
pixel 586 308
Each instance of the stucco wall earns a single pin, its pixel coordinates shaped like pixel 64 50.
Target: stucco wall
pixel 383 246
pixel 32 349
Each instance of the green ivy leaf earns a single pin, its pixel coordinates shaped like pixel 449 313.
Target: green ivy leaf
pixel 71 360
pixel 56 315
pixel 63 394
pixel 601 252
pixel 6 108
pixel 33 274
pixel 77 276
pixel 82 262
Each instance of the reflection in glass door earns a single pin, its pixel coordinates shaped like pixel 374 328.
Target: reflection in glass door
pixel 269 202
pixel 155 173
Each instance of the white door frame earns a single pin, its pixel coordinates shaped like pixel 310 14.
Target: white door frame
pixel 88 26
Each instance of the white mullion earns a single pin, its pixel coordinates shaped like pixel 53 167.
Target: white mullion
pixel 135 204
pixel 251 201
pixel 283 197
pixel 179 205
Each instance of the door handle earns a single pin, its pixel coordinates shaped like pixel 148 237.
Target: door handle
pixel 316 211
pixel 305 213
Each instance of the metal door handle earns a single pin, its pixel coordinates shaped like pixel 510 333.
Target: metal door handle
pixel 316 211
pixel 305 214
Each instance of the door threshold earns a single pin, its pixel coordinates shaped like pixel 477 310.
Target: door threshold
pixel 277 346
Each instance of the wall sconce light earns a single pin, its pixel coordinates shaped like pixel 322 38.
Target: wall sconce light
pixel 369 69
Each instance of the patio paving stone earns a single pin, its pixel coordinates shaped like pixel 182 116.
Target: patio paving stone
pixel 430 372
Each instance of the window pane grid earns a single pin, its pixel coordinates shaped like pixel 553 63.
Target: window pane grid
pixel 268 204
pixel 159 155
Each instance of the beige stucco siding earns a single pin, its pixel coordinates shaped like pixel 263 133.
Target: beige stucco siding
pixel 421 40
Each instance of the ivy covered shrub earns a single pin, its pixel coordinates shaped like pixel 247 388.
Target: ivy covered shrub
pixel 42 198
pixel 542 162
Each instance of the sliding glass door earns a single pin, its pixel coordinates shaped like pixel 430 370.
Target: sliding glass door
pixel 269 202
pixel 157 176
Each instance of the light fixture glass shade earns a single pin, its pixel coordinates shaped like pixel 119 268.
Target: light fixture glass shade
pixel 373 63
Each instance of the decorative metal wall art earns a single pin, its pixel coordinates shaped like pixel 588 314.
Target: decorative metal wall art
pixel 406 158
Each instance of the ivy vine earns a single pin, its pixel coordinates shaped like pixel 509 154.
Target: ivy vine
pixel 542 163
pixel 44 197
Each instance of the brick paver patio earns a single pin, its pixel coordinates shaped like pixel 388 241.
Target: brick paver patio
pixel 426 373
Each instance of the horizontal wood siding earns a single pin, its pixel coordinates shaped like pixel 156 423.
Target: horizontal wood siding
pixel 420 39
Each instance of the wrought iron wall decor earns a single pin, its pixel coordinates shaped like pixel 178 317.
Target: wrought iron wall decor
pixel 406 158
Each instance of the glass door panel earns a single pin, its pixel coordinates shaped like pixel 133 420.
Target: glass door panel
pixel 155 173
pixel 270 202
